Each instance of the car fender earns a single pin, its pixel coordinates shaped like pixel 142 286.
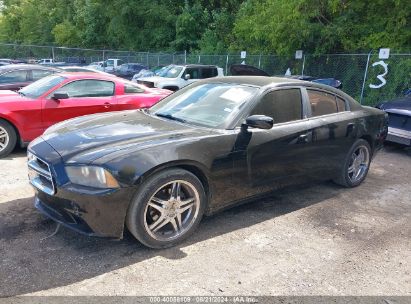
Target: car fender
pixel 7 116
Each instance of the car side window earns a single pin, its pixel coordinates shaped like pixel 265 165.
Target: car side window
pixel 208 72
pixel 193 72
pixel 88 88
pixel 282 105
pixel 14 76
pixel 38 74
pixel 322 103
pixel 131 89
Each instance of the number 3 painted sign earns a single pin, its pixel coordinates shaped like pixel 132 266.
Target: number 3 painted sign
pixel 380 76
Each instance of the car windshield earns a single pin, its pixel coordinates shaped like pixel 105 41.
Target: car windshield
pixel 210 105
pixel 171 71
pixel 38 88
pixel 110 62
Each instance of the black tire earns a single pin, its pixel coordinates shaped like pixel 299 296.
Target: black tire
pixel 344 176
pixel 138 215
pixel 7 130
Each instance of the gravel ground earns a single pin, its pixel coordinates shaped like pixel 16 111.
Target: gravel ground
pixel 310 240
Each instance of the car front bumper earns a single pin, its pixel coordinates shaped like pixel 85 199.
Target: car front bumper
pixel 93 214
pixel 399 136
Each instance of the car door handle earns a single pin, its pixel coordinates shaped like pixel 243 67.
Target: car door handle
pixel 107 105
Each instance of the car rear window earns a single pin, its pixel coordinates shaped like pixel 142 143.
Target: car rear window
pixel 322 103
pixel 132 89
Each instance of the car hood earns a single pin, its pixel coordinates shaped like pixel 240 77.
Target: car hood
pixel 397 104
pixel 87 138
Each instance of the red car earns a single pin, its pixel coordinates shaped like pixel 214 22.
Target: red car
pixel 24 115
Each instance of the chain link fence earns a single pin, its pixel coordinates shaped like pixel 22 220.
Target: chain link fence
pixel 365 77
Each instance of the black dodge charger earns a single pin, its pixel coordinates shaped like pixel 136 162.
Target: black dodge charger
pixel 213 144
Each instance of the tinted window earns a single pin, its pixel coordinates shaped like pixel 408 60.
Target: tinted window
pixel 88 88
pixel 281 105
pixel 38 74
pixel 14 76
pixel 340 104
pixel 208 72
pixel 193 72
pixel 322 103
pixel 129 88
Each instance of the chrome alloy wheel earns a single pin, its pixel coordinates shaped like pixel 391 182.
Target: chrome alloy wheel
pixel 172 210
pixel 4 138
pixel 359 163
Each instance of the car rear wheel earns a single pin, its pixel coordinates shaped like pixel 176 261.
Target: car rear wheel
pixel 167 208
pixel 8 138
pixel 356 165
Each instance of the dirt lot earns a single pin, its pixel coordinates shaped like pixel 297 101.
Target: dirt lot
pixel 312 240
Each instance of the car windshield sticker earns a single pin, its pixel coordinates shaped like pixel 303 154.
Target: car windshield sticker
pixel 235 94
pixel 227 110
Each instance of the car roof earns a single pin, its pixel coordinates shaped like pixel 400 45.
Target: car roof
pixel 259 81
pixel 197 65
pixel 26 66
pixel 87 75
pixel 264 81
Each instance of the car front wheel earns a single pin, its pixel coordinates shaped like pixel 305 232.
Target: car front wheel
pixel 167 208
pixel 8 138
pixel 356 165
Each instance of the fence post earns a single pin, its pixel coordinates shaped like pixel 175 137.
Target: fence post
pixel 226 66
pixel 302 69
pixel 259 62
pixel 199 58
pixel 52 53
pixel 104 67
pixel 365 76
pixel 185 56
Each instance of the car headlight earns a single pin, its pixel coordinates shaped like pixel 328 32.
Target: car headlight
pixel 91 176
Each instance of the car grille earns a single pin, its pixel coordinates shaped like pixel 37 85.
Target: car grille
pixel 148 84
pixel 40 174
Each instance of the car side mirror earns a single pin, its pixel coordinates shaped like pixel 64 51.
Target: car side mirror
pixel 259 122
pixel 187 76
pixel 58 96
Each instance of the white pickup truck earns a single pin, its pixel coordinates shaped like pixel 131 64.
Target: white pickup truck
pixel 174 77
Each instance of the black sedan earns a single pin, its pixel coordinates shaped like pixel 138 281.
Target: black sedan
pixel 16 76
pixel 213 144
pixel 399 122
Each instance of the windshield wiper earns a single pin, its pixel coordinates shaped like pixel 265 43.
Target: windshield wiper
pixel 169 116
pixel 21 93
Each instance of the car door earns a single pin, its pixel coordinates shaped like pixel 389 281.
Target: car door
pixel 87 96
pixel 208 72
pixel 14 80
pixel 333 130
pixel 272 156
pixel 194 73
